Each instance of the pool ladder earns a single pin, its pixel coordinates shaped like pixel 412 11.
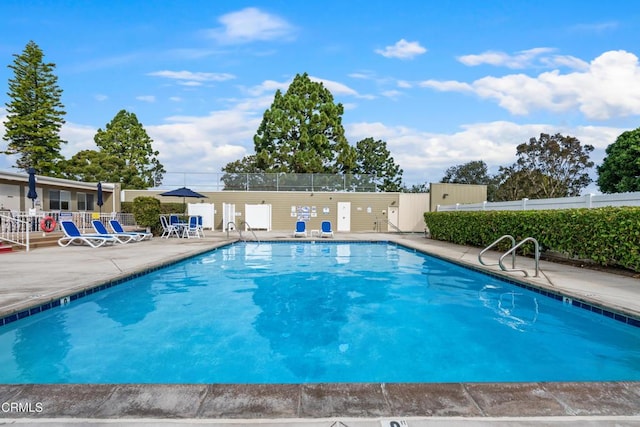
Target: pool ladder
pixel 512 252
pixel 240 232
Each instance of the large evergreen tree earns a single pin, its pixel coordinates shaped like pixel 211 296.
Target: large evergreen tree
pixel 374 162
pixel 301 132
pixel 620 170
pixel 126 139
pixel 34 113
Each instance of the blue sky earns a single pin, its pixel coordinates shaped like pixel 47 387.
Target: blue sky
pixel 442 82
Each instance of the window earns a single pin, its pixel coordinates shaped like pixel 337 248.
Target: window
pixel 59 200
pixel 85 202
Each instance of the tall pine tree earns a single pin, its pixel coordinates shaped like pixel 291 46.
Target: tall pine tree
pixel 34 113
pixel 125 139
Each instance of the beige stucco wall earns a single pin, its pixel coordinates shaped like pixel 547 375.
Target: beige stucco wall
pixel 450 194
pixel 369 211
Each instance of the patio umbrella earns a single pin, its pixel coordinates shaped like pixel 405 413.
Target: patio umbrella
pixel 183 192
pixel 32 187
pixel 100 202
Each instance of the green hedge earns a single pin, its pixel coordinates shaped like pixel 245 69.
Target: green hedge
pixel 608 236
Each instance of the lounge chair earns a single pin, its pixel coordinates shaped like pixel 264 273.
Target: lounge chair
pixel 192 230
pixel 200 227
pixel 301 229
pixel 167 229
pixel 325 229
pixel 73 236
pixel 117 229
pixel 102 231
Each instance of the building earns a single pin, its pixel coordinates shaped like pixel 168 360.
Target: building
pixel 55 194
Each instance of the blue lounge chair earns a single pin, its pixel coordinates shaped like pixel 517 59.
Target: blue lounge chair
pixel 192 230
pixel 102 231
pixel 301 229
pixel 73 236
pixel 325 229
pixel 117 229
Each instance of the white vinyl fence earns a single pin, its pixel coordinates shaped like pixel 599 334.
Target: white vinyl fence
pixel 586 201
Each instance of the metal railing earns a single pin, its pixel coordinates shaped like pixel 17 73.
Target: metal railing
pixel 512 252
pixel 379 222
pixel 251 230
pixel 15 229
pixel 15 226
pixel 513 243
pixel 272 181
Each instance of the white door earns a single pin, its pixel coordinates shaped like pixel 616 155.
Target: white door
pixel 258 217
pixel 228 215
pixel 392 225
pixel 206 211
pixel 344 216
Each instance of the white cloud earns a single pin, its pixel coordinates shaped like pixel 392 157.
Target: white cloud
pixel 425 156
pixel 249 25
pixel 79 137
pixel 204 144
pixel 146 98
pixel 447 86
pixel 598 27
pixel 402 50
pixel 334 87
pixel 190 78
pixel 392 94
pixel 100 97
pixel 609 87
pixel 268 86
pixel 535 57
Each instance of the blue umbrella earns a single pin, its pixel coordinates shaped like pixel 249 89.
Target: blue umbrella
pixel 183 192
pixel 32 194
pixel 100 202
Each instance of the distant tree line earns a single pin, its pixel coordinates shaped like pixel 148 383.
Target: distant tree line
pixel 301 132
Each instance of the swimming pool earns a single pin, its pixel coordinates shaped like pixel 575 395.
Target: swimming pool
pixel 325 312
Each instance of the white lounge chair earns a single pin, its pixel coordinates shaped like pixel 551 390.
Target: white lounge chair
pixel 100 229
pixel 72 236
pixel 118 229
pixel 168 229
pixel 301 229
pixel 325 229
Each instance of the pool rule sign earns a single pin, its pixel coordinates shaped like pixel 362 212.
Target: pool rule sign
pixel 394 423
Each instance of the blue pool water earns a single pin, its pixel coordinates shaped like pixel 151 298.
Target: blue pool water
pixel 325 312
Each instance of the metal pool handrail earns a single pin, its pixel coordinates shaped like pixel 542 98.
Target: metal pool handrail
pixel 513 251
pixel 251 230
pixel 513 255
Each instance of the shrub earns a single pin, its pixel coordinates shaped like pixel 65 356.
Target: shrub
pixel 146 211
pixel 608 236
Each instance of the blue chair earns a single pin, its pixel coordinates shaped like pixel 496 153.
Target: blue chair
pixel 192 230
pixel 102 230
pixel 73 236
pixel 118 229
pixel 325 229
pixel 301 229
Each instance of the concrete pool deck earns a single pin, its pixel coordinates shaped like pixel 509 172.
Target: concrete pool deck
pixel 48 274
